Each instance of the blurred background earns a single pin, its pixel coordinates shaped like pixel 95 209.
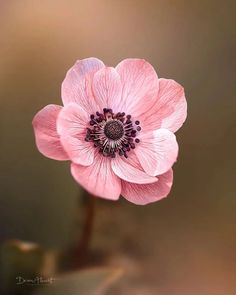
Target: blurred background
pixel 183 245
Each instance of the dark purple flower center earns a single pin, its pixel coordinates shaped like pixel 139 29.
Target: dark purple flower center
pixel 113 129
pixel 113 134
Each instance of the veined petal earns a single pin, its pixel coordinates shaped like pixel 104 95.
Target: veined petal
pixel 170 109
pixel 79 151
pixel 72 120
pixel 98 179
pixel 157 151
pixel 139 85
pixel 77 84
pixel 46 136
pixel 142 194
pixel 130 169
pixel 172 94
pixel 71 125
pixel 107 89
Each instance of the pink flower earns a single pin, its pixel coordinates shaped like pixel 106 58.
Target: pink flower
pixel 116 127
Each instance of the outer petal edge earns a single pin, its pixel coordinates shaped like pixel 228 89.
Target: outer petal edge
pixel 142 194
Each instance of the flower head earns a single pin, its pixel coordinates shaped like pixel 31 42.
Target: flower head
pixel 116 127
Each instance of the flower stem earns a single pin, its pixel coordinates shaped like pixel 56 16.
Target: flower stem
pixel 82 248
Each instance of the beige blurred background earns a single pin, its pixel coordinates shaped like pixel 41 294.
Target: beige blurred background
pixel 183 245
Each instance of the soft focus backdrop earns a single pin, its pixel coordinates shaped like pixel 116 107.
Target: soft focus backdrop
pixel 183 245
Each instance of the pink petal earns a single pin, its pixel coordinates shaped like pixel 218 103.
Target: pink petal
pixel 107 89
pixel 76 86
pixel 71 125
pixel 79 151
pixel 130 169
pixel 142 194
pixel 72 120
pixel 46 136
pixel 140 86
pixel 170 110
pixel 98 178
pixel 157 151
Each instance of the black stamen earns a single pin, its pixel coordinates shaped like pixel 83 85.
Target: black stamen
pixel 128 122
pixel 112 134
pixel 121 153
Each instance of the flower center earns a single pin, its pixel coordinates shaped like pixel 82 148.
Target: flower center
pixel 114 129
pixel 112 133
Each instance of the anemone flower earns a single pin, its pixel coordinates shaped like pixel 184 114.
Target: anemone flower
pixel 116 126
